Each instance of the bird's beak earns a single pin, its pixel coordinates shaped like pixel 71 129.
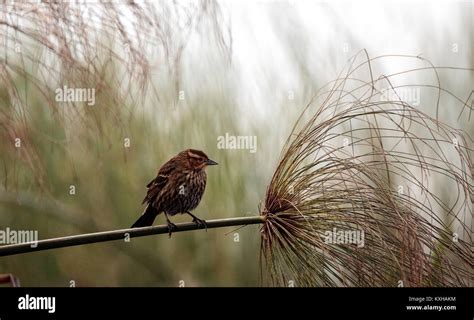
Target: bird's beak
pixel 211 162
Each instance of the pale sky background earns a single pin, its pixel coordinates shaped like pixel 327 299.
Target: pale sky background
pixel 272 39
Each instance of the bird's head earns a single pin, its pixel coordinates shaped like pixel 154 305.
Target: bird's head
pixel 197 160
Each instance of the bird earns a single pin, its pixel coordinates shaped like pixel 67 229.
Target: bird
pixel 177 188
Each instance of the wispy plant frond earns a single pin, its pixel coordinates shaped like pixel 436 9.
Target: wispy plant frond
pixel 115 48
pixel 356 198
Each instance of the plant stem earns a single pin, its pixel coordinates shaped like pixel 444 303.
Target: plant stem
pixel 121 234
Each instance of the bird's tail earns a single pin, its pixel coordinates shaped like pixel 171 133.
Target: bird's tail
pixel 147 218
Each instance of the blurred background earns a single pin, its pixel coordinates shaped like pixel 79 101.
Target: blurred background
pixel 171 76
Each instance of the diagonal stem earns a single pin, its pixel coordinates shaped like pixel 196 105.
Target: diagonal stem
pixel 121 234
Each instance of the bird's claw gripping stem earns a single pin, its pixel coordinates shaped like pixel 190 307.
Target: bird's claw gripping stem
pixel 200 222
pixel 171 227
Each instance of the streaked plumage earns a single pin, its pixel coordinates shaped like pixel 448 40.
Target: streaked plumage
pixel 177 188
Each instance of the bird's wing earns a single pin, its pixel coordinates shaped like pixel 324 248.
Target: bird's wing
pixel 157 184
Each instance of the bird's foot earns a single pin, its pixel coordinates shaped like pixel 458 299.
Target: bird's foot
pixel 200 222
pixel 171 227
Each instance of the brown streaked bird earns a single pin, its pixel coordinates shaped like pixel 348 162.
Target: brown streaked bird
pixel 178 188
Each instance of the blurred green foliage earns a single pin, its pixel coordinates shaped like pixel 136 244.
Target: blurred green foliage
pixel 89 153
